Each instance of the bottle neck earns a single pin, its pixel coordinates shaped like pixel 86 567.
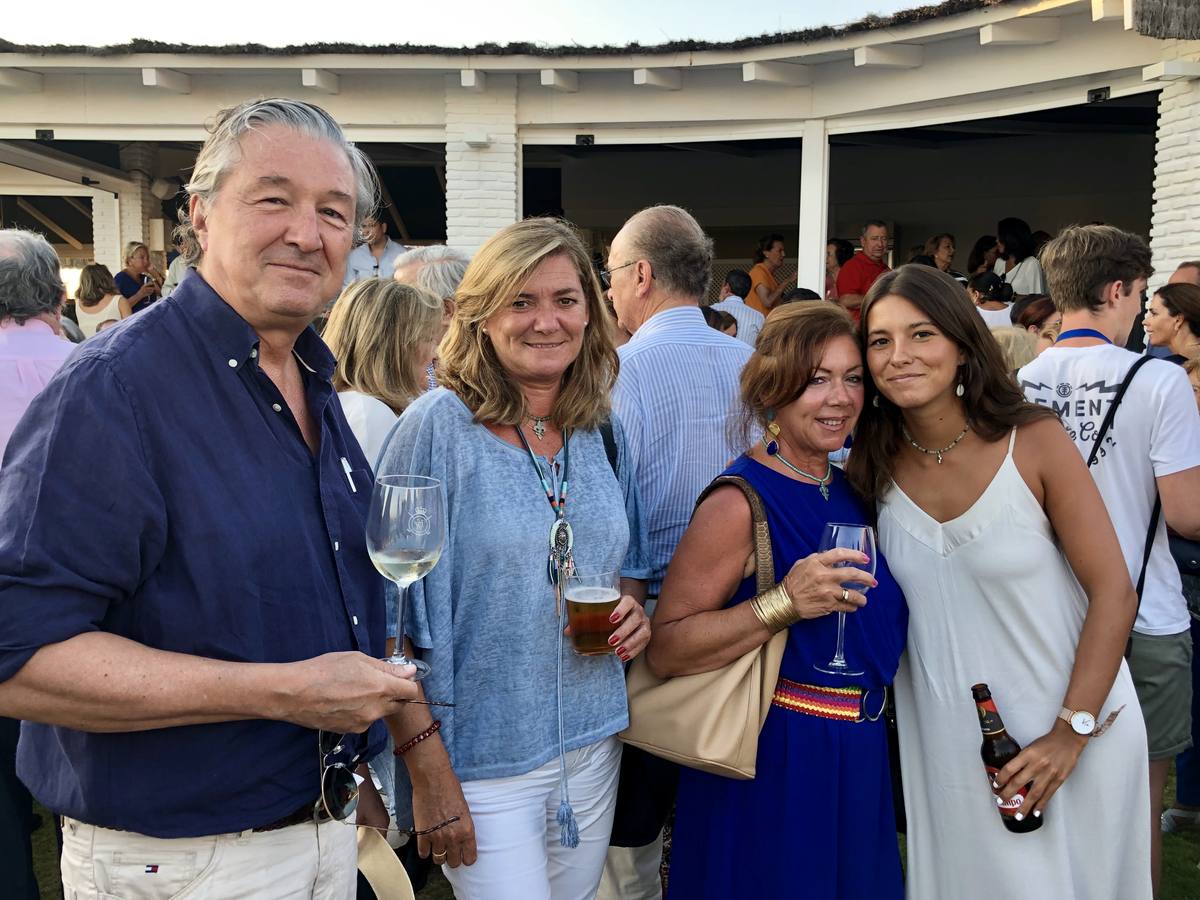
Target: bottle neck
pixel 990 722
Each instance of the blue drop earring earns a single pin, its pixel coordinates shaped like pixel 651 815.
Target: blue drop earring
pixel 772 445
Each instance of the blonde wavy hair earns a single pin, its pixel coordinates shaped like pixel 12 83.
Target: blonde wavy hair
pixel 374 329
pixel 468 364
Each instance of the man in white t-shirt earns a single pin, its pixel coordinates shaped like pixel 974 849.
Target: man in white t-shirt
pixel 1096 275
pixel 733 291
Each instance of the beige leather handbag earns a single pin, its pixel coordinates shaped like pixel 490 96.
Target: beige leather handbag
pixel 711 721
pixel 381 867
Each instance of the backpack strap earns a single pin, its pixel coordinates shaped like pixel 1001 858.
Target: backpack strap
pixel 610 445
pixel 764 558
pixel 1152 531
pixel 1107 422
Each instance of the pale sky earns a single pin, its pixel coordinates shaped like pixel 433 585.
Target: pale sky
pixel 452 23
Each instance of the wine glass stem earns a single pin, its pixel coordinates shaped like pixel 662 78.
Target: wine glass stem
pixel 400 609
pixel 839 658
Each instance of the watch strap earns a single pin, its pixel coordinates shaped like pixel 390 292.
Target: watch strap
pixel 1107 723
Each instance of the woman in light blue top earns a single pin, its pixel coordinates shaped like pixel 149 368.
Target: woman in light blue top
pixel 522 438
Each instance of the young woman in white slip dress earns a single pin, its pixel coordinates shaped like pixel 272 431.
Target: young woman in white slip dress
pixel 995 531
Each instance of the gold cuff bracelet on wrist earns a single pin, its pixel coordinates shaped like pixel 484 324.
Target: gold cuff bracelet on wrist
pixel 774 609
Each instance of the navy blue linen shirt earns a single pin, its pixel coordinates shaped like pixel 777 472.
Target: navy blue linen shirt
pixel 160 489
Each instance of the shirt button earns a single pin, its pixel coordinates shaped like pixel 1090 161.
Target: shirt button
pixel 233 364
pixel 354 619
pixel 254 354
pixel 337 546
pixel 276 407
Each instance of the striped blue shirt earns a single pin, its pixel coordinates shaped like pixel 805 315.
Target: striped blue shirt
pixel 677 398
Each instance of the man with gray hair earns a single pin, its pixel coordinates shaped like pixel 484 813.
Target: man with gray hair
pixel 31 350
pixel 439 270
pixel 199 643
pixel 677 389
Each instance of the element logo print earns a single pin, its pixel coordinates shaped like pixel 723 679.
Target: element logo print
pixel 1064 390
pixel 418 522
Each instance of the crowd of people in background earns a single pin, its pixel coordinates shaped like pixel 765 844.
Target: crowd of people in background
pixel 1032 470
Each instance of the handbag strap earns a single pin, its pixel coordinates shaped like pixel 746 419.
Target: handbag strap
pixel 764 557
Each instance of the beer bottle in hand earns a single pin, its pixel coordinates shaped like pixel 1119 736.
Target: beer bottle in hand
pixel 997 750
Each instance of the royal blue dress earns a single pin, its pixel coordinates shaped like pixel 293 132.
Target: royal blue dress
pixel 817 822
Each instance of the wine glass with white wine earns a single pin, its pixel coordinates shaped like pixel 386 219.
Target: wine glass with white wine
pixel 406 529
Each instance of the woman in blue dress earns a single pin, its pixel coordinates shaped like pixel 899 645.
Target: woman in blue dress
pixel 817 821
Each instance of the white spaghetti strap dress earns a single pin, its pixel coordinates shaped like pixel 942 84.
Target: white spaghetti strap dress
pixel 991 598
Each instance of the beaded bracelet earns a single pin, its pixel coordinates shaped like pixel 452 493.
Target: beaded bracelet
pixel 774 609
pixel 412 742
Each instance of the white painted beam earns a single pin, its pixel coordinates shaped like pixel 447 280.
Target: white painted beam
pixel 1108 10
pixel 788 74
pixel 320 80
pixel 663 79
pixel 167 80
pixel 1172 70
pixel 562 80
pixel 55 164
pixel 18 80
pixel 36 214
pixel 473 80
pixel 889 56
pixel 1020 33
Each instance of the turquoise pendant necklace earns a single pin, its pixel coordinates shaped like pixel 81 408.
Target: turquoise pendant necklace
pixel 822 483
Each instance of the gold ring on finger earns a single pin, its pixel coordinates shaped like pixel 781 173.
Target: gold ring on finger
pixel 845 596
pixel 439 858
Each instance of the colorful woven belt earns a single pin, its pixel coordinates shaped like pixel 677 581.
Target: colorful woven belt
pixel 824 702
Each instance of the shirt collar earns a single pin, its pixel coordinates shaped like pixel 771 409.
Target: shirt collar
pixel 28 327
pixel 669 320
pixel 230 337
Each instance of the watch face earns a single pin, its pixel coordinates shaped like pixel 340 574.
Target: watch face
pixel 1083 722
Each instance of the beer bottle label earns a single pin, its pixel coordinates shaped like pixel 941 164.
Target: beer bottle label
pixel 1013 806
pixel 989 718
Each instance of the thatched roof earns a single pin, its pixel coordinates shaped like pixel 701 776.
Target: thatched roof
pixel 1168 18
pixel 870 23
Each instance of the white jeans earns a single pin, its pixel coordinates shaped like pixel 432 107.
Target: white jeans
pixel 301 861
pixel 517 830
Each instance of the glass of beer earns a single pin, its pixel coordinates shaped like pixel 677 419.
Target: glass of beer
pixel 591 598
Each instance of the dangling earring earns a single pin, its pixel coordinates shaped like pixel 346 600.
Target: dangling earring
pixel 960 390
pixel 875 401
pixel 772 445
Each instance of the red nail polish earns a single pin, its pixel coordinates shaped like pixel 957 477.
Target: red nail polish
pixel 613 639
pixel 623 653
pixel 614 618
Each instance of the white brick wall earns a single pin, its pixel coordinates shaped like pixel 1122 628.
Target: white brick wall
pixel 1175 222
pixel 483 185
pixel 106 232
pixel 138 206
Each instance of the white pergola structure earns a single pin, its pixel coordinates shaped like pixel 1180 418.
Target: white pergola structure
pixel 956 65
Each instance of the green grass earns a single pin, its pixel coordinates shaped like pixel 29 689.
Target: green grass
pixel 1181 852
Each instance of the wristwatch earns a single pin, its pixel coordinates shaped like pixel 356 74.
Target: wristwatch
pixel 1081 721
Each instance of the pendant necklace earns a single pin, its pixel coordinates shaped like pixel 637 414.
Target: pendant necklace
pixel 561 561
pixel 539 425
pixel 938 453
pixel 822 483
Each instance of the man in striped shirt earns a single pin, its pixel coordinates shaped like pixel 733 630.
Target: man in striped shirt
pixel 676 397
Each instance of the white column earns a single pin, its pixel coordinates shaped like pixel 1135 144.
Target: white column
pixel 1175 221
pixel 106 231
pixel 138 206
pixel 814 207
pixel 483 160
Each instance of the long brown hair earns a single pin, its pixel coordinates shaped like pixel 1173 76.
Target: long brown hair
pixel 467 362
pixel 993 403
